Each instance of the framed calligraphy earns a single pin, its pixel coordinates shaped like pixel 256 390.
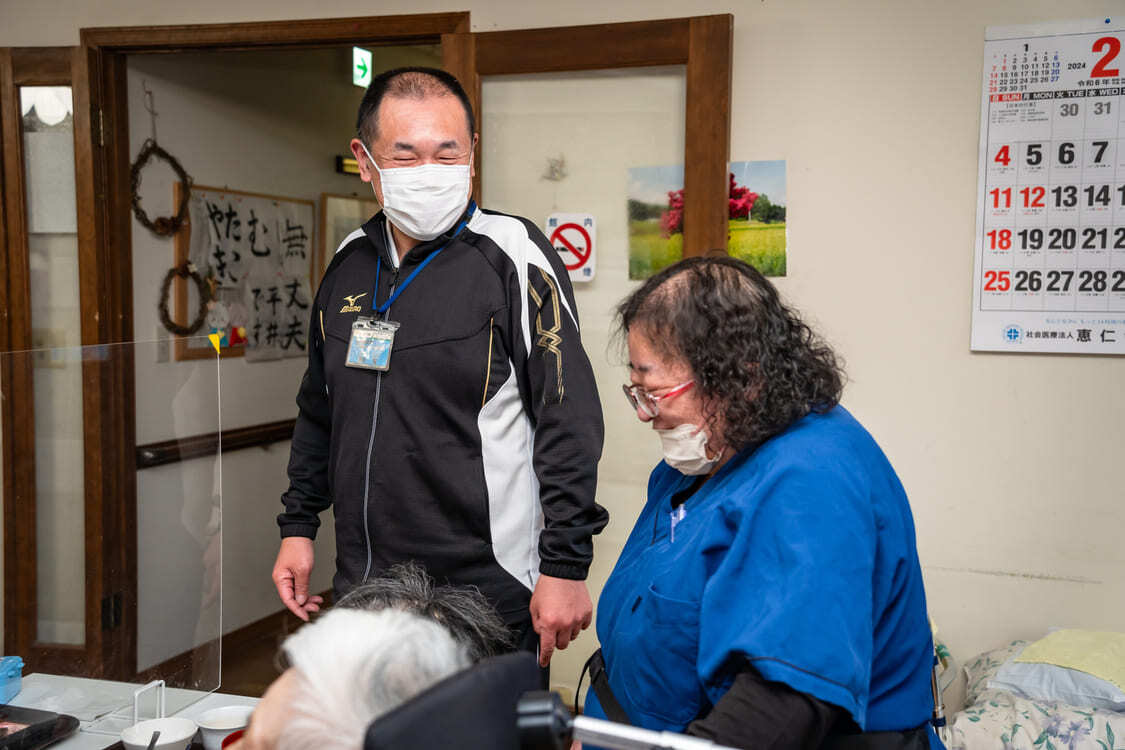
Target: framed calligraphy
pixel 258 253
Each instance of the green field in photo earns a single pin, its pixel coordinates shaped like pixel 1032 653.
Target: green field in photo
pixel 760 245
pixel 649 252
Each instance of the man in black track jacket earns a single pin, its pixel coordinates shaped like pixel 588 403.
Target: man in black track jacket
pixel 448 412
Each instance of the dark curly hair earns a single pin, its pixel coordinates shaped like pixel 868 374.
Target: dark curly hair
pixel 755 363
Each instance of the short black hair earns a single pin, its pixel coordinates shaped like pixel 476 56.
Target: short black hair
pixel 411 83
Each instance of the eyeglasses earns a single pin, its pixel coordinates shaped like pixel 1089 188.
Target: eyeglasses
pixel 641 399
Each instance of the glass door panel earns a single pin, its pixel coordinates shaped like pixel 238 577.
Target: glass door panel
pixel 47 128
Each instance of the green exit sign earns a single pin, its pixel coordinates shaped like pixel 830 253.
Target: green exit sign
pixel 361 67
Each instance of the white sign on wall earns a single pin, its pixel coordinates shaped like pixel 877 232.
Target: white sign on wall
pixel 573 237
pixel 361 67
pixel 1049 273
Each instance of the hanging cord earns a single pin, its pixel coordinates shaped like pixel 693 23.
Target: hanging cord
pixel 150 107
pixel 164 226
pixel 185 270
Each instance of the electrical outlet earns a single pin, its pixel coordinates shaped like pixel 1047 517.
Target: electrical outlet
pixel 163 345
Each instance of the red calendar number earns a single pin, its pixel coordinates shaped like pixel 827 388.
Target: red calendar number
pixel 997 281
pixel 1033 196
pixel 1003 156
pixel 1006 194
pixel 1000 238
pixel 1114 48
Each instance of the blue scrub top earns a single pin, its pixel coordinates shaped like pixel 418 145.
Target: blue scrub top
pixel 798 558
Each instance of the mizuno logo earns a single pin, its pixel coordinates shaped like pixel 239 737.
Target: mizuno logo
pixel 352 306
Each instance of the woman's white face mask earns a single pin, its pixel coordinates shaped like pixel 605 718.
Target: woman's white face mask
pixel 685 449
pixel 425 201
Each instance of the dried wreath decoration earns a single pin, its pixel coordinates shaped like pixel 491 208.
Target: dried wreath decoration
pixel 165 226
pixel 185 270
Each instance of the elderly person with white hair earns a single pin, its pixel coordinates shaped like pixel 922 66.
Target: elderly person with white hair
pixel 389 640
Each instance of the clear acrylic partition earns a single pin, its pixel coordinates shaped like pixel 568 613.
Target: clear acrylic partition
pixel 178 528
pixel 608 143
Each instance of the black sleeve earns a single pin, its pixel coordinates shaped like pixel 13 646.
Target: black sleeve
pixel 308 492
pixel 758 714
pixel 567 414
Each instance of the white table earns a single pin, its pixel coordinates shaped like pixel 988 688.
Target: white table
pixel 104 707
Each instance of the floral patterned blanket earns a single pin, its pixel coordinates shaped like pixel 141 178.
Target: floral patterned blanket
pixel 1000 719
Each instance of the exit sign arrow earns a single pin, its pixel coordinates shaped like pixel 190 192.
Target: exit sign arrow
pixel 361 67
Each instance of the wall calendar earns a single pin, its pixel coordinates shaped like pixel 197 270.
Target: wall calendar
pixel 1049 272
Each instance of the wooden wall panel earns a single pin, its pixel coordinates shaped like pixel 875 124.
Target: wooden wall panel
pixel 404 29
pixel 707 141
pixel 570 48
pixel 459 57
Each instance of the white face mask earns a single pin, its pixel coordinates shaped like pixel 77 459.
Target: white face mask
pixel 424 201
pixel 685 449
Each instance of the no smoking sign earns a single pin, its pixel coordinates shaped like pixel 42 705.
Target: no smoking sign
pixel 573 237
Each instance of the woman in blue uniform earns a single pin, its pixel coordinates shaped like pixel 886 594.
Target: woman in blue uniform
pixel 770 593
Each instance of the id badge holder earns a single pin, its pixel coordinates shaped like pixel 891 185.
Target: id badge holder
pixel 371 343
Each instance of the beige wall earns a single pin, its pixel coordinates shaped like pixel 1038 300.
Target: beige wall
pixel 1009 460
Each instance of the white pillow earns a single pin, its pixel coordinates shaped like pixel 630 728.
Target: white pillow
pixel 1053 683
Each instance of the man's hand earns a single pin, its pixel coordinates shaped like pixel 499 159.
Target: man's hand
pixel 291 576
pixel 560 610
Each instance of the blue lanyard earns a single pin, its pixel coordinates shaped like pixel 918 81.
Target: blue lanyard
pixel 380 309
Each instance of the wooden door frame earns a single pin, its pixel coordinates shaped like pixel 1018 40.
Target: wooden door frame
pixel 703 44
pixel 104 52
pixel 46 66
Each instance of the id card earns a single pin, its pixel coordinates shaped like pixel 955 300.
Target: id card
pixel 371 343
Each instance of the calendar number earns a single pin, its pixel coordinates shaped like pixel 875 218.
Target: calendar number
pixel 1066 152
pixel 1112 46
pixel 1097 195
pixel 1031 239
pixel 997 281
pixel 1103 108
pixel 1033 196
pixel 1068 110
pixel 1094 239
pixel 1034 154
pixel 1062 239
pixel 1054 278
pixel 1100 147
pixel 1091 281
pixel 1000 238
pixel 1118 281
pixel 1066 196
pixel 1029 281
pixel 1003 156
pixel 1006 194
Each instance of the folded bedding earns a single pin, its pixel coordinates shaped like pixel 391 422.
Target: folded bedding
pixel 1013 703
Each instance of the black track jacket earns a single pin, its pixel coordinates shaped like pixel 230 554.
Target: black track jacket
pixel 476 453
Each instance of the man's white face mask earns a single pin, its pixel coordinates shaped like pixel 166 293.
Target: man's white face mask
pixel 685 449
pixel 424 201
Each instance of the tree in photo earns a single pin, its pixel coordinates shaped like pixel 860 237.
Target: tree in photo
pixel 740 205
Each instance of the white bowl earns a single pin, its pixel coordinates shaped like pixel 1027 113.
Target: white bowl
pixel 175 734
pixel 217 723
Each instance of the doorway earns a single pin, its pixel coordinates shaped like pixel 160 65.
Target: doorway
pixel 113 68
